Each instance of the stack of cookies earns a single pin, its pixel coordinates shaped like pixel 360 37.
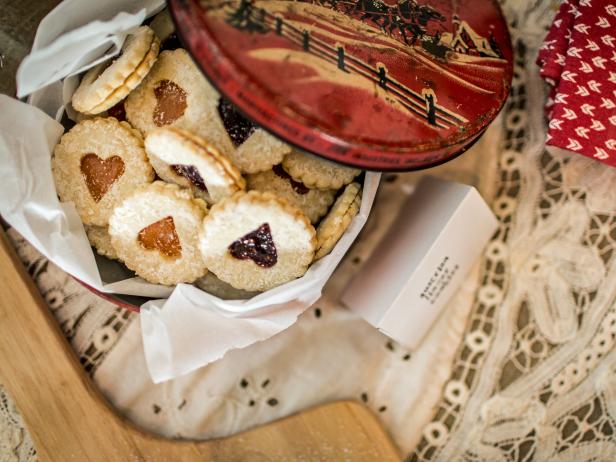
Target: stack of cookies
pixel 172 181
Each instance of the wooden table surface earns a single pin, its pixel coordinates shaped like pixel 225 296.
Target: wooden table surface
pixel 57 399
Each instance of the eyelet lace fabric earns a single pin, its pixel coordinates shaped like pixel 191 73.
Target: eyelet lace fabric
pixel 521 367
pixel 535 378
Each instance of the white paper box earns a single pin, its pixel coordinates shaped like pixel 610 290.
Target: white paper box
pixel 437 236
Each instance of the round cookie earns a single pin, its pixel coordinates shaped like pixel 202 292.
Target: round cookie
pixel 256 150
pixel 317 173
pixel 333 226
pixel 313 202
pixel 97 164
pixel 176 94
pixel 101 241
pixel 155 232
pixel 185 159
pixel 260 152
pixel 255 241
pixel 109 82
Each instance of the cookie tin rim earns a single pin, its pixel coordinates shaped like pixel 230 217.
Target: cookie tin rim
pixel 227 77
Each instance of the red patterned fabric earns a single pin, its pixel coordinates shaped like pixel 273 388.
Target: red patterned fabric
pixel 578 59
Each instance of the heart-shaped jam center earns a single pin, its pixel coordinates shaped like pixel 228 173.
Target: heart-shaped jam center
pixel 238 127
pixel 170 103
pixel 299 188
pixel 191 173
pixel 258 246
pixel 161 236
pixel 100 174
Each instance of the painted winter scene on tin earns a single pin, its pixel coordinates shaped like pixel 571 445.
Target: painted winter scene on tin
pixel 389 72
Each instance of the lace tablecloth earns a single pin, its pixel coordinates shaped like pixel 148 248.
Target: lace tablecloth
pixel 520 367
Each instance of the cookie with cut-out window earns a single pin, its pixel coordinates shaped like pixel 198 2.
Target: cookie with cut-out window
pixel 176 94
pixel 155 232
pixel 255 149
pixel 190 161
pixel 256 241
pixel 96 164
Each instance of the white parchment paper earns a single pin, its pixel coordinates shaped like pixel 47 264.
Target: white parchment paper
pixel 184 328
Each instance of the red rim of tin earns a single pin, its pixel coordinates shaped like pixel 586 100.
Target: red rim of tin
pixel 263 107
pixel 111 298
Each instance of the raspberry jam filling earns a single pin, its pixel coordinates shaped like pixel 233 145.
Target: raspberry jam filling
pixel 171 43
pixel 170 103
pixel 298 187
pixel 100 174
pixel 118 111
pixel 162 236
pixel 257 246
pixel 191 173
pixel 238 127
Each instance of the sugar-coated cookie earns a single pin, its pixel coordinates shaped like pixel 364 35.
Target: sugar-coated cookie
pixel 176 94
pixel 101 241
pixel 260 152
pixel 333 226
pixel 313 202
pixel 256 150
pixel 318 173
pixel 108 83
pixel 190 161
pixel 255 241
pixel 97 164
pixel 155 232
pixel 214 286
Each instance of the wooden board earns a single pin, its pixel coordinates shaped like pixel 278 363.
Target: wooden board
pixel 68 418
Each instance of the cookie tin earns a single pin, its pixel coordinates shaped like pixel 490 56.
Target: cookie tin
pixel 377 84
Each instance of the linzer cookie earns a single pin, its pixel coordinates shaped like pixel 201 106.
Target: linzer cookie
pixel 256 150
pixel 317 173
pixel 176 94
pixel 97 164
pixel 313 202
pixel 108 83
pixel 338 219
pixel 101 241
pixel 255 241
pixel 190 161
pixel 155 233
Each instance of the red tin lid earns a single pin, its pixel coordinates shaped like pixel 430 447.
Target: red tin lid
pixel 376 84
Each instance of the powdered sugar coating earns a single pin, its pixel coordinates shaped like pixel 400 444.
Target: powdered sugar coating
pixel 148 205
pixel 105 138
pixel 170 146
pixel 293 235
pixel 201 114
pixel 314 203
pixel 260 152
pixel 333 226
pixel 318 173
